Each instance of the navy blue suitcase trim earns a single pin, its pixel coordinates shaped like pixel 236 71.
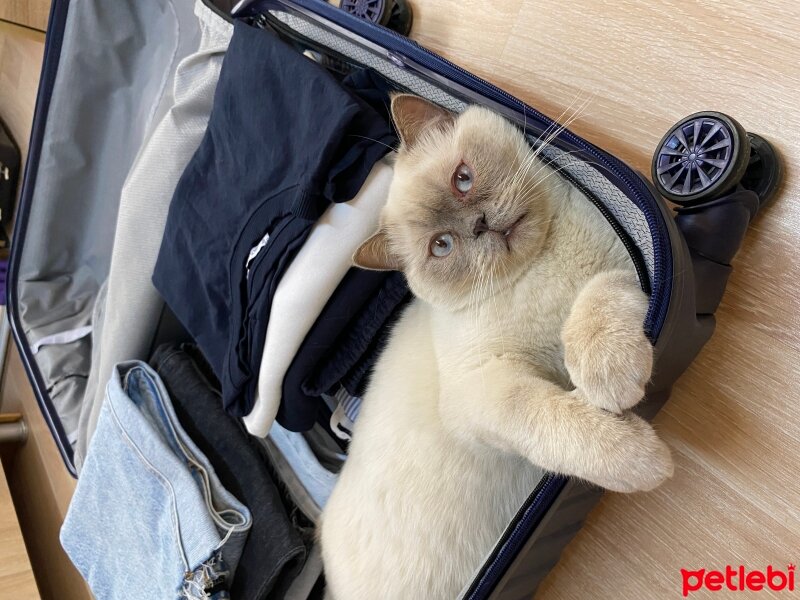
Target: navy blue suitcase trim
pixel 52 54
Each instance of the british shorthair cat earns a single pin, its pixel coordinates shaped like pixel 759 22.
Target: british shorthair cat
pixel 521 352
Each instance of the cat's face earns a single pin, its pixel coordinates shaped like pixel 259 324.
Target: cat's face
pixel 468 207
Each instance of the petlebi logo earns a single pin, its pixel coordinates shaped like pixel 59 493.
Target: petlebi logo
pixel 739 579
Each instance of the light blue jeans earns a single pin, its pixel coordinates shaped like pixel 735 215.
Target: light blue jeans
pixel 307 481
pixel 149 519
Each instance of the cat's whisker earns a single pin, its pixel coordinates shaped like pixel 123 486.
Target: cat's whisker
pixel 541 144
pixel 536 182
pixel 553 130
pixel 478 325
pixel 364 137
pixel 494 303
pixel 554 125
pixel 554 171
pixel 522 170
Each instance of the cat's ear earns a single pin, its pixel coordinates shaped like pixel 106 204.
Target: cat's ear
pixel 413 115
pixel 375 254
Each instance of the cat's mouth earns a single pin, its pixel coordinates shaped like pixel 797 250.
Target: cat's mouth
pixel 505 233
pixel 509 233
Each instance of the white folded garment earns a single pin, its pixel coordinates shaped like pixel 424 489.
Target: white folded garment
pixel 309 282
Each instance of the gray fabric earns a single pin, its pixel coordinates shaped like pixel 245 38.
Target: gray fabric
pixel 92 375
pixel 116 65
pixel 65 368
pixel 303 584
pixel 52 307
pixel 366 58
pixel 129 318
pixel 63 302
pixel 91 138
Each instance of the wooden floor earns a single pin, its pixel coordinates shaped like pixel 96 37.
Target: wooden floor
pixel 733 419
pixel 16 576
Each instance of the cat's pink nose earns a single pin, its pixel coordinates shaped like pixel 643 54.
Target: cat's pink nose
pixel 481 226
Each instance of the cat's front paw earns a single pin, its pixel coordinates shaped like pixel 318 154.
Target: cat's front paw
pixel 640 462
pixel 606 352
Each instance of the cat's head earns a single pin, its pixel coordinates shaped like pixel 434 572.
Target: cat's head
pixel 468 208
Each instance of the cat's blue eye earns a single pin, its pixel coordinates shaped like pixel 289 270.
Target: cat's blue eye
pixel 442 245
pixel 462 179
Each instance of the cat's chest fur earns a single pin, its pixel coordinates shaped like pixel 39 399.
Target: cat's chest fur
pixel 523 322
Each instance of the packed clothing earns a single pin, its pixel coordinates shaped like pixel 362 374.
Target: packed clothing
pixel 242 426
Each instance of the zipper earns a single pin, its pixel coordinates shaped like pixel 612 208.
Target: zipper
pixel 633 250
pixel 514 537
pixel 4 172
pixel 401 50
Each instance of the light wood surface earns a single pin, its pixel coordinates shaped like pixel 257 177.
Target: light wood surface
pixel 42 488
pixel 733 419
pixel 21 52
pixel 16 576
pixel 30 13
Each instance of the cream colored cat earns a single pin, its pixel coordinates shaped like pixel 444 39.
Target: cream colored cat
pixel 521 352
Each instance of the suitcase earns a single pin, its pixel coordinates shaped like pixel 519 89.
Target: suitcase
pixel 682 261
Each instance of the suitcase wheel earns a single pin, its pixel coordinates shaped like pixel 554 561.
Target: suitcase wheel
pixel 377 11
pixel 401 18
pixel 764 170
pixel 707 154
pixel 394 14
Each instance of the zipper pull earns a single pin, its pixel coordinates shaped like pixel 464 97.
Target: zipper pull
pixel 4 172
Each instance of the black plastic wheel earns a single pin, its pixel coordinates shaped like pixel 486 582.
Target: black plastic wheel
pixel 377 11
pixel 764 169
pixel 402 17
pixel 701 158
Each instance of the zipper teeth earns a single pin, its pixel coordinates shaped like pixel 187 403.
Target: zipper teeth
pixel 497 563
pixel 633 250
pixel 530 500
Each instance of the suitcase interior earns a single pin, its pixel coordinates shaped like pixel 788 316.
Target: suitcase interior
pixel 99 96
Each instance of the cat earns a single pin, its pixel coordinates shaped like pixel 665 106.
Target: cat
pixel 521 351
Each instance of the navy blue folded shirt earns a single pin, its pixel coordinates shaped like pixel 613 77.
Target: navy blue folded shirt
pixel 284 140
pixel 342 345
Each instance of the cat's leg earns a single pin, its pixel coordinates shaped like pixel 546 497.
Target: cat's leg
pixel 606 352
pixel 506 406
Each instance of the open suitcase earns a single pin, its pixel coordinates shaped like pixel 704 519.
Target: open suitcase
pixel 83 147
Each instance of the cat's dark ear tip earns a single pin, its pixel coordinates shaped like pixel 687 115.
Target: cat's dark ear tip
pixel 413 115
pixel 401 102
pixel 374 255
